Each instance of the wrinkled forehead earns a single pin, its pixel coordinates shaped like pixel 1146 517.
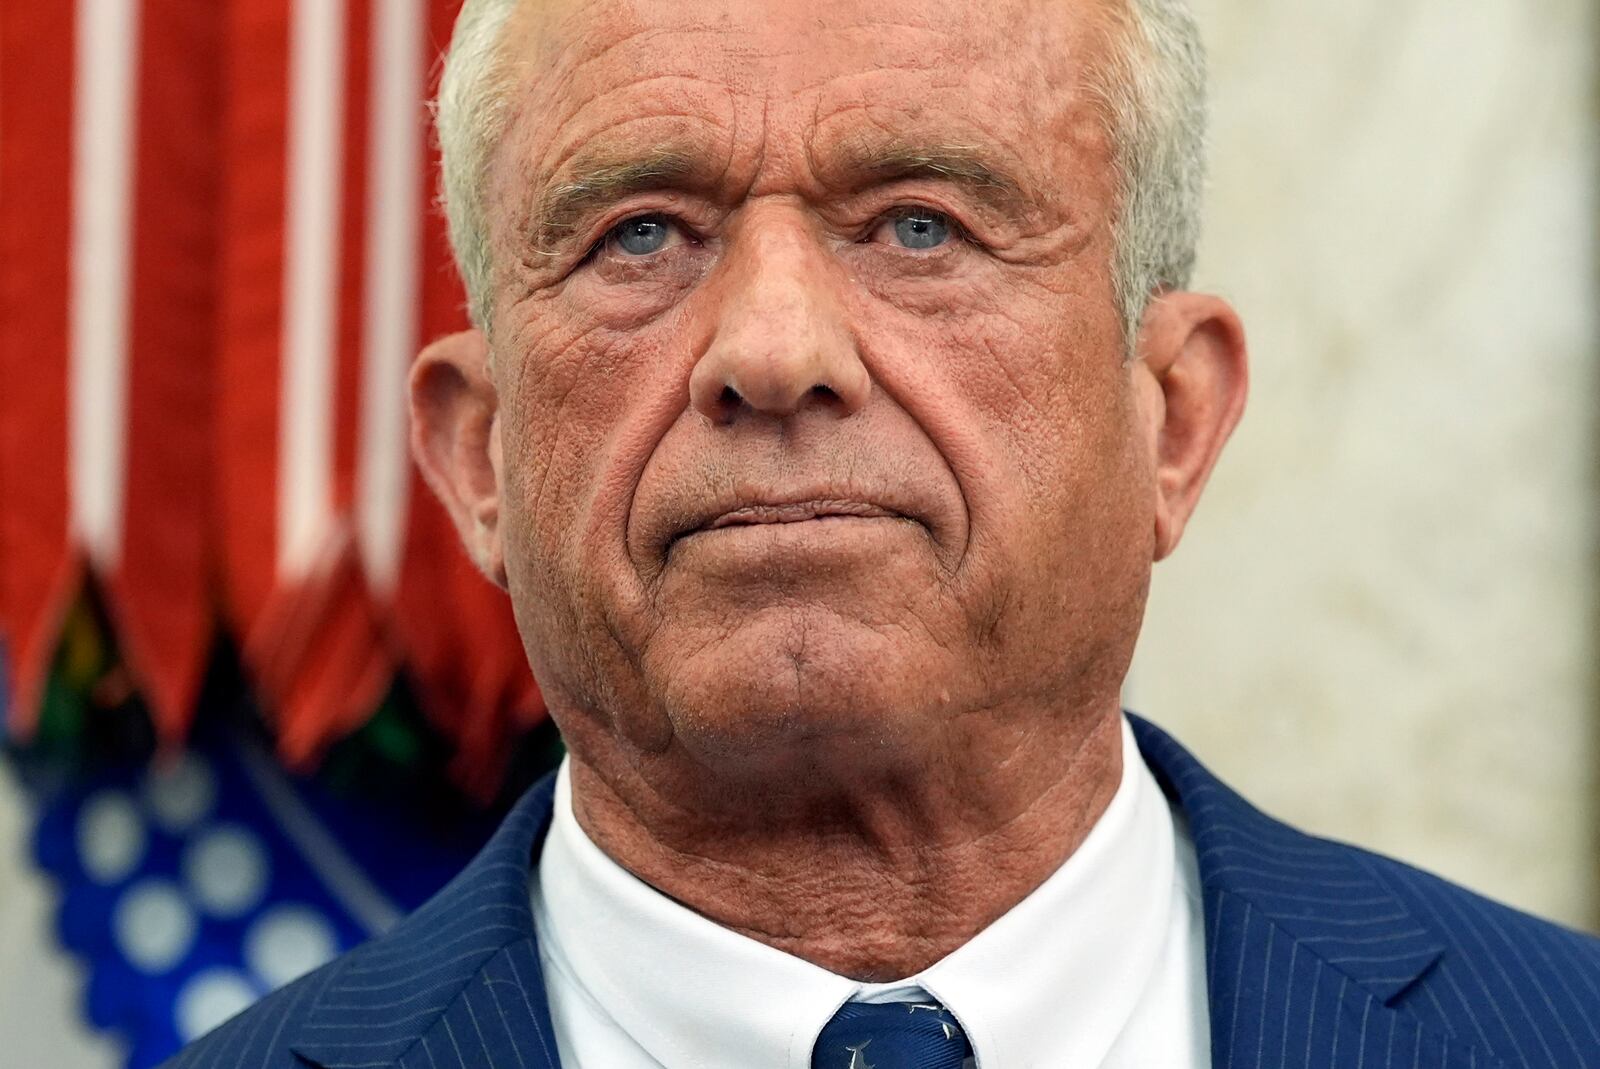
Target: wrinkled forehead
pixel 799 87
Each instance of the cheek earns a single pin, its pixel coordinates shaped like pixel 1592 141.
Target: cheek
pixel 1020 381
pixel 1060 399
pixel 578 414
pixel 582 414
pixel 545 409
pixel 1024 390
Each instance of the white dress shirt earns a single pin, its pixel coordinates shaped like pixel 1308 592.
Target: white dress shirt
pixel 1100 967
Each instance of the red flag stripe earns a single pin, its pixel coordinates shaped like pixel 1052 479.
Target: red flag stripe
pixel 351 250
pixel 157 588
pixel 249 355
pixel 38 570
pixel 442 309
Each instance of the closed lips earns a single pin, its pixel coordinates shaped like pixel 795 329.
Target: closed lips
pixel 686 508
pixel 779 512
pixel 797 512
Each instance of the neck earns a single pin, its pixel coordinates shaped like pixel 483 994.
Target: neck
pixel 873 877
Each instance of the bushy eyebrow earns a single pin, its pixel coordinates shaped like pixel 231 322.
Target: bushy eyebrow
pixel 965 166
pixel 597 183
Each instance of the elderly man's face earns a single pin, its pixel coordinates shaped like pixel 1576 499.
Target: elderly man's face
pixel 814 423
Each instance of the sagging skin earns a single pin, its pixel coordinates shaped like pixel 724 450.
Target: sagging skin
pixel 810 453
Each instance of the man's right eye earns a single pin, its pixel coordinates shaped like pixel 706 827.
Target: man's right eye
pixel 641 235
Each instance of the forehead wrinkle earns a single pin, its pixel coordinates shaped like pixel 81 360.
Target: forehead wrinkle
pixel 580 161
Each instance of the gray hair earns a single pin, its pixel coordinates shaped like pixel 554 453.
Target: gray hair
pixel 1153 92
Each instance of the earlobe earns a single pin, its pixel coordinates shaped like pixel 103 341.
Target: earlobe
pixel 1192 355
pixel 455 440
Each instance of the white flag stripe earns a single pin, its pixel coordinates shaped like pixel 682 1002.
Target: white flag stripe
pixel 310 285
pixel 102 209
pixel 391 296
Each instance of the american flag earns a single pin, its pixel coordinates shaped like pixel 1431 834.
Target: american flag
pixel 219 252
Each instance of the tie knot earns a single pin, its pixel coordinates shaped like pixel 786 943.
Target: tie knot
pixel 891 1035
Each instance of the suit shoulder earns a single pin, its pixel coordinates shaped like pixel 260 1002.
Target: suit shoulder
pixel 1523 987
pixel 262 1033
pixel 1489 978
pixel 1223 823
pixel 1473 922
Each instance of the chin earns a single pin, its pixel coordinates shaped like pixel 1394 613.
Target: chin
pixel 795 677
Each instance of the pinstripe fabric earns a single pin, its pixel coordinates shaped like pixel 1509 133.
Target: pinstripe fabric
pixel 1322 956
pixel 1319 956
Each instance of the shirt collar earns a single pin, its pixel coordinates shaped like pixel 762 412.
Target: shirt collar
pixel 1061 971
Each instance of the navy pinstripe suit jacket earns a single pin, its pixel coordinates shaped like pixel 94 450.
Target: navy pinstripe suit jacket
pixel 1319 955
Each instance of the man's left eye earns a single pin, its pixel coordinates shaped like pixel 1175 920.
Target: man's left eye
pixel 916 228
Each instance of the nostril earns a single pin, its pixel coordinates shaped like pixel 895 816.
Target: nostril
pixel 823 392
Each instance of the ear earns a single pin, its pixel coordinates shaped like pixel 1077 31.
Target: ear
pixel 1192 376
pixel 455 438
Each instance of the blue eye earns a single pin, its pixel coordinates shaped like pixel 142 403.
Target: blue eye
pixel 642 235
pixel 921 229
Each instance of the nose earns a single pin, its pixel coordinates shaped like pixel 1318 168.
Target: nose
pixel 782 342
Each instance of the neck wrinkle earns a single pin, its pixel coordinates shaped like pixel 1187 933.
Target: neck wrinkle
pixel 873 896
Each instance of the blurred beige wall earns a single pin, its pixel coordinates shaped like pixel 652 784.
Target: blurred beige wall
pixel 1382 624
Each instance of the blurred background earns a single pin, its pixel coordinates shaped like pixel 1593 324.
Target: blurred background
pixel 256 703
pixel 1382 623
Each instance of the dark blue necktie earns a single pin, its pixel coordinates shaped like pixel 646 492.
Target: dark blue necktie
pixel 893 1035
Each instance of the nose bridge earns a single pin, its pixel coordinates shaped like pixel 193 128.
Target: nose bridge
pixel 781 339
pixel 782 261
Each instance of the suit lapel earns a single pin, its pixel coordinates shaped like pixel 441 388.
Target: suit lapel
pixel 455 985
pixel 1306 951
